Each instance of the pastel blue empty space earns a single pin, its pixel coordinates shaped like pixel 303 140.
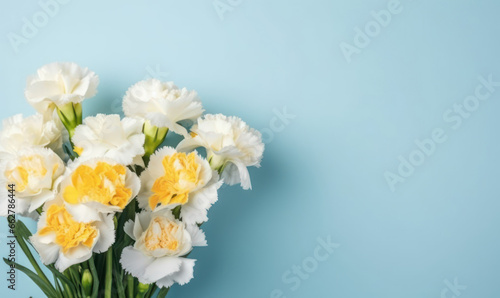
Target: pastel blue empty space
pixel 381 171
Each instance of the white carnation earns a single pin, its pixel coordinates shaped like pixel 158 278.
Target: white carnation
pixel 161 242
pixel 65 241
pixel 178 179
pixel 33 131
pixel 35 174
pixel 231 145
pixel 162 103
pixel 94 186
pixel 108 136
pixel 57 84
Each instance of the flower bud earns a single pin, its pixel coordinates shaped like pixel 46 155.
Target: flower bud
pixel 154 137
pixel 217 162
pixel 71 116
pixel 142 288
pixel 87 282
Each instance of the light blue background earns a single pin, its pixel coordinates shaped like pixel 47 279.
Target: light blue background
pixel 323 173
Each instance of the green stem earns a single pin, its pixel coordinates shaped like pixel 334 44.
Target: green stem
pixel 68 291
pixel 152 291
pixel 56 283
pixel 130 286
pixel 95 279
pixel 109 272
pixel 163 292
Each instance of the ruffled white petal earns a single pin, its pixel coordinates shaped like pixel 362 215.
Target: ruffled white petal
pixel 37 201
pixel 49 252
pixel 4 197
pixel 106 234
pixel 165 282
pixel 195 211
pixel 197 235
pixel 109 137
pixel 162 267
pixel 231 145
pixel 64 262
pixel 236 172
pixel 135 262
pixel 151 262
pixel 128 228
pixel 57 84
pixel 189 144
pixel 185 274
pixel 182 277
pixel 44 171
pixel 162 103
pixel 20 133
pixel 80 251
pixel 142 221
pixel 86 212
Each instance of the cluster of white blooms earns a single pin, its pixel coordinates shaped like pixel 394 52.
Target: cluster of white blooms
pixel 115 186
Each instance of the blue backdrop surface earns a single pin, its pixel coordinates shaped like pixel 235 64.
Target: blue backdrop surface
pixel 380 175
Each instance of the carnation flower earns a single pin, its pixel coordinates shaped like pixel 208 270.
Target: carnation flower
pixel 33 131
pixel 107 136
pixel 57 84
pixel 178 179
pixel 96 186
pixel 62 239
pixel 162 104
pixel 231 145
pixel 35 172
pixel 161 241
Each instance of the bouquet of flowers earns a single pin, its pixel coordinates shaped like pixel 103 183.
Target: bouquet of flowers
pixel 117 212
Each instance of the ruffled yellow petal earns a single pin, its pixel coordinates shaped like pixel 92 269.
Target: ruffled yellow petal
pixel 69 233
pixel 104 184
pixel 182 174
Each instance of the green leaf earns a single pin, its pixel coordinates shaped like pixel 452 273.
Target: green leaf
pixel 120 289
pixel 95 286
pixel 58 287
pixel 21 232
pixel 63 278
pixel 177 212
pixel 46 288
pixel 152 290
pixel 118 276
pixel 75 275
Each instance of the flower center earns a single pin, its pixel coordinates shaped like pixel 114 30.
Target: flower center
pixel 181 176
pixel 29 166
pixel 104 184
pixel 69 233
pixel 161 234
